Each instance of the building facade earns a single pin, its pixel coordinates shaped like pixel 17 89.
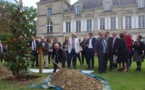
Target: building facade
pixel 58 18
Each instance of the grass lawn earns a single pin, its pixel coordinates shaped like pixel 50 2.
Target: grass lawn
pixel 131 80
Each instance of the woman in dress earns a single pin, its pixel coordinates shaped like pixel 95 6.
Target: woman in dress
pixel 50 49
pixel 138 47
pixel 122 53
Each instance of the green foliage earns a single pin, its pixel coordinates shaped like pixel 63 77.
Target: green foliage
pixel 18 56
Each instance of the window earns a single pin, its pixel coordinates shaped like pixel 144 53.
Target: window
pixel 107 6
pixel 49 12
pixel 102 23
pixel 141 3
pixel 128 22
pixel 78 10
pixel 141 21
pixel 89 25
pixel 78 26
pixel 49 27
pixel 113 23
pixel 68 27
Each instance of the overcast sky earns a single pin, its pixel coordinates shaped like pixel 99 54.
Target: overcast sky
pixel 33 2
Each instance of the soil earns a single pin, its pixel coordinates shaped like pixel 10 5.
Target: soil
pixel 4 72
pixel 74 80
pixel 7 75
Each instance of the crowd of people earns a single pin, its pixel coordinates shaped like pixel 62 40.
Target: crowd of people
pixel 115 52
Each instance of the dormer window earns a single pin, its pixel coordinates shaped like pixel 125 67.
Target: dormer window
pixel 107 6
pixel 141 3
pixel 78 9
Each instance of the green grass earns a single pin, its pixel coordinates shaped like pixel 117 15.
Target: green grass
pixel 131 80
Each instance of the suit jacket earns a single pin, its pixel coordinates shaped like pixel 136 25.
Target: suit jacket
pixel 93 42
pixel 109 45
pixel 62 56
pixel 45 52
pixel 116 45
pixel 99 47
pixel 37 44
pixel 76 45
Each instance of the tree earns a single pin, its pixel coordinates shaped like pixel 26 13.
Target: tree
pixel 18 56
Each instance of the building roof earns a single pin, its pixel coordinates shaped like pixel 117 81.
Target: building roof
pixel 90 4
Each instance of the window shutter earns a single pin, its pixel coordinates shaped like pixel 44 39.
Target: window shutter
pixel 124 22
pixel 137 26
pixel 106 23
pixel 98 23
pixel 64 26
pixel 116 22
pixel 109 23
pixel 133 25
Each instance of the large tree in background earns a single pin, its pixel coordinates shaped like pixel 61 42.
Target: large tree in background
pixel 17 23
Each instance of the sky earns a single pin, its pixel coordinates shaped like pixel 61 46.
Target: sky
pixel 30 3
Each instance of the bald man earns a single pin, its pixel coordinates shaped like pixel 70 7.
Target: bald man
pixel 59 56
pixel 43 44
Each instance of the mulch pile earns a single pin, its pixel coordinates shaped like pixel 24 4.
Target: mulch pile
pixel 4 72
pixel 74 80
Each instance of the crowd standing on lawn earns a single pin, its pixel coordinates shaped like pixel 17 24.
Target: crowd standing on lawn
pixel 118 51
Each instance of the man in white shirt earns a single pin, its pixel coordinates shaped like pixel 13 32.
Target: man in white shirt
pixel 34 45
pixel 90 51
pixel 73 49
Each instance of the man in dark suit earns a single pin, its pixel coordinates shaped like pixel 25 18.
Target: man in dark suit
pixel 109 41
pixel 43 44
pixel 90 50
pixel 59 56
pixel 34 45
pixel 101 52
pixel 115 44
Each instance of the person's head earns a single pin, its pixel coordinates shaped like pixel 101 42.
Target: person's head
pixel 66 39
pixel 85 39
pixel 139 37
pixel 106 33
pixel 102 36
pixel 90 35
pixel 124 32
pixel 114 35
pixel 56 39
pixel 0 42
pixel 33 38
pixel 48 40
pixel 100 33
pixel 56 46
pixel 122 36
pixel 42 39
pixel 73 35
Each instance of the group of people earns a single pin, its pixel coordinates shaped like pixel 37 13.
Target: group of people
pixel 117 51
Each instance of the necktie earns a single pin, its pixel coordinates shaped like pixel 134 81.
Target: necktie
pixel 104 46
pixel 34 46
pixel 113 42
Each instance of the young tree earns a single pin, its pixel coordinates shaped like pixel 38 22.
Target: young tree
pixel 18 55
